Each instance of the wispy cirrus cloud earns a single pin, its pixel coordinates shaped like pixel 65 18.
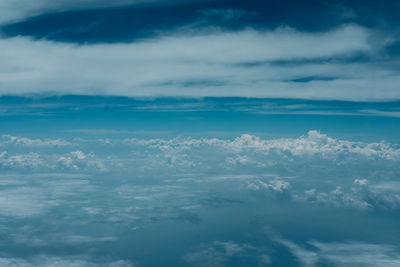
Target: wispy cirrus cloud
pixel 21 9
pixel 344 254
pixel 50 260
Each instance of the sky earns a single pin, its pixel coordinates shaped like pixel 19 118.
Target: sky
pixel 199 133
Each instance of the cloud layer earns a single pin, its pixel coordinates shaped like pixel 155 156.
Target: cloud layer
pixel 70 201
pixel 217 63
pixel 346 174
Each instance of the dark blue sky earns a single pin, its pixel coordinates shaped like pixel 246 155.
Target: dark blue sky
pixel 131 22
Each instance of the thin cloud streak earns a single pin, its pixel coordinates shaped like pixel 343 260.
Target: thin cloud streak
pixel 15 10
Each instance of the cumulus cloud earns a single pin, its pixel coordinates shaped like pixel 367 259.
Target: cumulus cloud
pixel 245 146
pixel 246 152
pixel 7 139
pixel 345 174
pixel 30 160
pixel 214 63
pixel 314 143
pixel 44 161
pixel 360 196
pixel 78 160
pixel 278 188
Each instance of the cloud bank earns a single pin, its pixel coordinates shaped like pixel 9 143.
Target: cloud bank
pixel 325 171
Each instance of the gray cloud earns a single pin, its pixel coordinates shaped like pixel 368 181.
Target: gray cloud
pixel 49 261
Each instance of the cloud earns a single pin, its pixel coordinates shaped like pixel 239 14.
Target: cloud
pixel 45 161
pixel 278 188
pixel 219 253
pixel 211 63
pixel 30 195
pixel 305 257
pixel 49 260
pixel 344 254
pixel 345 174
pixel 247 154
pixel 7 139
pixel 78 160
pixel 313 144
pixel 360 196
pixel 24 161
pixel 14 10
pixel 24 202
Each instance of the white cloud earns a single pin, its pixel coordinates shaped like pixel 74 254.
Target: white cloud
pixel 78 160
pixel 362 254
pixel 344 254
pixel 245 146
pixel 24 202
pixel 275 186
pixel 360 182
pixel 7 139
pixel 200 64
pixel 305 257
pixel 246 153
pixel 30 160
pixel 29 195
pixel 361 196
pixel 367 184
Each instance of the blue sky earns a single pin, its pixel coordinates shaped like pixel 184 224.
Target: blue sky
pixel 199 133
